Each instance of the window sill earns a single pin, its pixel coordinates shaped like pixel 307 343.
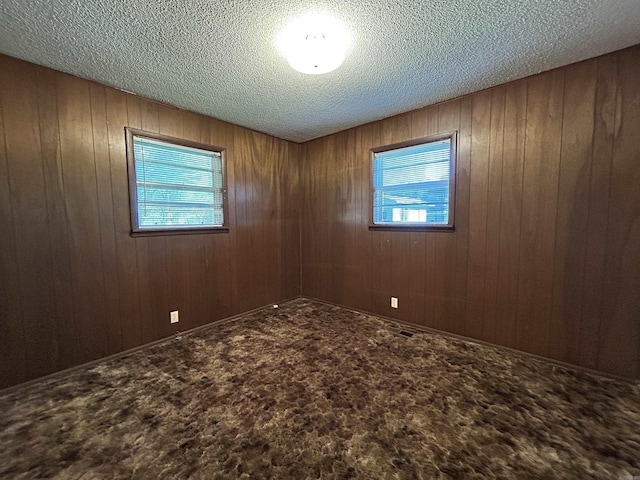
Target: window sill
pixel 181 231
pixel 413 228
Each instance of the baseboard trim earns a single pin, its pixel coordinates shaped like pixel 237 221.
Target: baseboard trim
pixel 409 325
pixel 422 328
pixel 93 363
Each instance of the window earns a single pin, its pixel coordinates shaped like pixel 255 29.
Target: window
pixel 174 185
pixel 414 184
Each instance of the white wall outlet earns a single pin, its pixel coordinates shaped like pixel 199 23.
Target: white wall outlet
pixel 394 302
pixel 174 317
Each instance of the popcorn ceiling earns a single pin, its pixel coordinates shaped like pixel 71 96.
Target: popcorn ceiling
pixel 220 58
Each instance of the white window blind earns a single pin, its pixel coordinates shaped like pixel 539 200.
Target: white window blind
pixel 177 186
pixel 411 184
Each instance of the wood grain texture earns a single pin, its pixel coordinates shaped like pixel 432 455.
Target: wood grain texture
pixel 424 122
pixel 493 214
pixel 573 211
pixel 448 121
pixel 74 284
pixel 544 256
pixel 29 218
pixel 106 215
pixel 511 212
pixel 130 333
pixel 599 194
pixel 13 364
pixel 396 245
pixel 68 337
pixel 620 325
pixel 145 296
pixel 458 317
pixel 478 193
pixel 291 228
pixel 539 210
pixel 81 202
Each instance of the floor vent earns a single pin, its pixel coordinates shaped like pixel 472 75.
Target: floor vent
pixel 401 330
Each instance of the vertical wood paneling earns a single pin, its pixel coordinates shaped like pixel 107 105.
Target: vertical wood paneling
pixel 448 120
pixel 510 212
pixel 356 172
pixel 81 196
pixel 421 242
pixel 539 210
pixel 224 247
pixel 130 332
pixel 326 223
pixel 263 193
pixel 252 233
pixel 494 204
pixel 398 246
pixel 372 135
pixel 620 325
pixel 170 122
pixel 155 270
pixel 544 256
pixel 263 217
pixel 106 215
pixel 200 258
pixel 146 321
pixel 309 258
pixel 12 346
pixel 66 324
pixel 463 176
pixel 203 259
pixel 277 210
pixel 28 202
pixel 322 224
pixel 74 284
pixel 292 200
pixel 418 272
pixel 478 192
pixel 598 208
pixel 426 122
pixel 337 229
pixel 351 178
pixel 572 211
pixel 244 199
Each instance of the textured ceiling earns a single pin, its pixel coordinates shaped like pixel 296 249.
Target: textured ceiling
pixel 219 57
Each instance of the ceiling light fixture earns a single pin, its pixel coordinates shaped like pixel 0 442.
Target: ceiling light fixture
pixel 315 54
pixel 314 43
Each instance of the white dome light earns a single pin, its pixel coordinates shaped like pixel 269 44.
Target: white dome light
pixel 314 44
pixel 316 54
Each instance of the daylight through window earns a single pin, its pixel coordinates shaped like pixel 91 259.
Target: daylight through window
pixel 413 183
pixel 175 185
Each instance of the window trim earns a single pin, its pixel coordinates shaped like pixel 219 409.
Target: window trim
pixel 418 227
pixel 130 133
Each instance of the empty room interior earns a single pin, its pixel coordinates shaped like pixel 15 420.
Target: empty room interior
pixel 394 240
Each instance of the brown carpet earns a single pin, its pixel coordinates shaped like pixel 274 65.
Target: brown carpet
pixel 313 391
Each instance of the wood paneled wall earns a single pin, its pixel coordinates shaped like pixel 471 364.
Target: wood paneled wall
pixel 74 285
pixel 545 257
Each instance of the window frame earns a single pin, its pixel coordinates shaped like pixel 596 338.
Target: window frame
pixel 418 227
pixel 136 230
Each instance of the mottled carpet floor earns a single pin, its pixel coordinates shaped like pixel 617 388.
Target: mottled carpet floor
pixel 312 391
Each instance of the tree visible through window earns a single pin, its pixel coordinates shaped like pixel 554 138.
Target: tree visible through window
pixel 174 184
pixel 414 183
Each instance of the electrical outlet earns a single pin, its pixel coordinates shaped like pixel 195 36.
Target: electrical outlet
pixel 394 302
pixel 174 317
